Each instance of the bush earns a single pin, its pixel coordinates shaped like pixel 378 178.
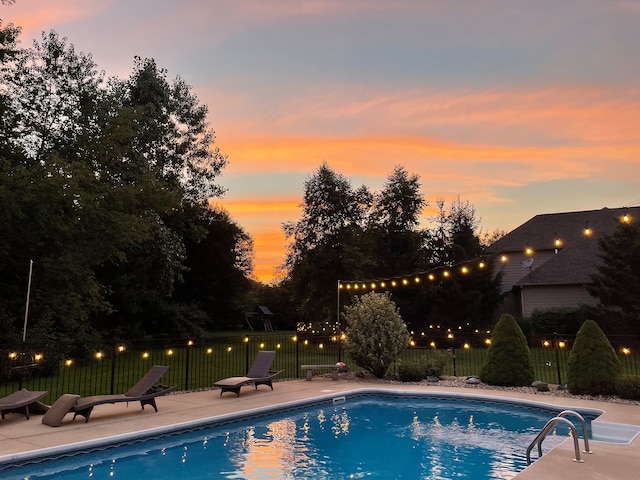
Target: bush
pixel 411 372
pixel 376 333
pixel 435 364
pixel 593 365
pixel 565 320
pixel 508 361
pixel 628 386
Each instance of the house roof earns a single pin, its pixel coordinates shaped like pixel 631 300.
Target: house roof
pixel 577 257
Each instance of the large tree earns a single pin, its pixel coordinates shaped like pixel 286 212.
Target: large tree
pixel 106 184
pixel 48 191
pixel 325 244
pixel 617 281
pixel 397 239
pixel 220 266
pixel 350 234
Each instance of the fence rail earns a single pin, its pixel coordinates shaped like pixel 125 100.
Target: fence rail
pixel 196 365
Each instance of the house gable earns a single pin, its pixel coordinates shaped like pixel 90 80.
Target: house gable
pixel 560 268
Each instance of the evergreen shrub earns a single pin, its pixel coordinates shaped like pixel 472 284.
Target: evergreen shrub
pixel 593 366
pixel 508 361
pixel 628 386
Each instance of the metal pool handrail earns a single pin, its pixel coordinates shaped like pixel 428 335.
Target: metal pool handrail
pixel 552 423
pixel 585 433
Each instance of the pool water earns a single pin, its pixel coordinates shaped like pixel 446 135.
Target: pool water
pixel 367 437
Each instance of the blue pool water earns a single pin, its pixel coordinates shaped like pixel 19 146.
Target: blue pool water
pixel 368 437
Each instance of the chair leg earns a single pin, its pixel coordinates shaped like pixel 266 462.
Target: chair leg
pixel 83 413
pixel 150 401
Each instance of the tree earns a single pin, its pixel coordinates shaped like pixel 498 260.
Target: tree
pixel 106 183
pixel 467 300
pixel 393 225
pixel 508 361
pixel 617 281
pixel 326 243
pixel 171 133
pixel 593 365
pixel 463 227
pixel 219 268
pixel 455 236
pixel 47 191
pixel 376 334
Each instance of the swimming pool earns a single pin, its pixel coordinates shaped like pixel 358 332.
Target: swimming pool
pixel 357 436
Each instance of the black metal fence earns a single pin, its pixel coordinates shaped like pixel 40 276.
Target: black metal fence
pixel 198 364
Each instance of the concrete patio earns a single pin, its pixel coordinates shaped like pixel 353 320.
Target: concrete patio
pixel 20 438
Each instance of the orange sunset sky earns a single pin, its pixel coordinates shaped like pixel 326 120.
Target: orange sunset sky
pixel 519 107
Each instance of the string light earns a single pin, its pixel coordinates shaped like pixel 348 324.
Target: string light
pixel 464 267
pixel 372 285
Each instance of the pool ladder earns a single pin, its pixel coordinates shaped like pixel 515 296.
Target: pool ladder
pixel 560 418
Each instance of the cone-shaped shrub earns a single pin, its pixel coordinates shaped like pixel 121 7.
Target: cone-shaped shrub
pixel 508 361
pixel 593 366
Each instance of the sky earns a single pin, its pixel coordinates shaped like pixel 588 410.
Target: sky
pixel 519 107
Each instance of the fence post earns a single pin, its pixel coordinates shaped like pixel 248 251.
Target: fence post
pixel 297 356
pixel 186 367
pixel 246 354
pixel 114 354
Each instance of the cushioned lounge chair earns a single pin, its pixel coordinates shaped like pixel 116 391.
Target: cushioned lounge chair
pixel 259 374
pixel 20 401
pixel 145 392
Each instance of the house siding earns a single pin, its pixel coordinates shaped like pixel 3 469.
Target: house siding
pixel 513 270
pixel 551 297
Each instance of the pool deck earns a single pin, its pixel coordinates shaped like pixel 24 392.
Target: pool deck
pixel 20 437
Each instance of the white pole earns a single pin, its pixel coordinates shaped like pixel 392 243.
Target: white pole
pixel 26 308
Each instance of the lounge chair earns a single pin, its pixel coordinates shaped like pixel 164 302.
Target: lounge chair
pixel 20 401
pixel 145 392
pixel 259 374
